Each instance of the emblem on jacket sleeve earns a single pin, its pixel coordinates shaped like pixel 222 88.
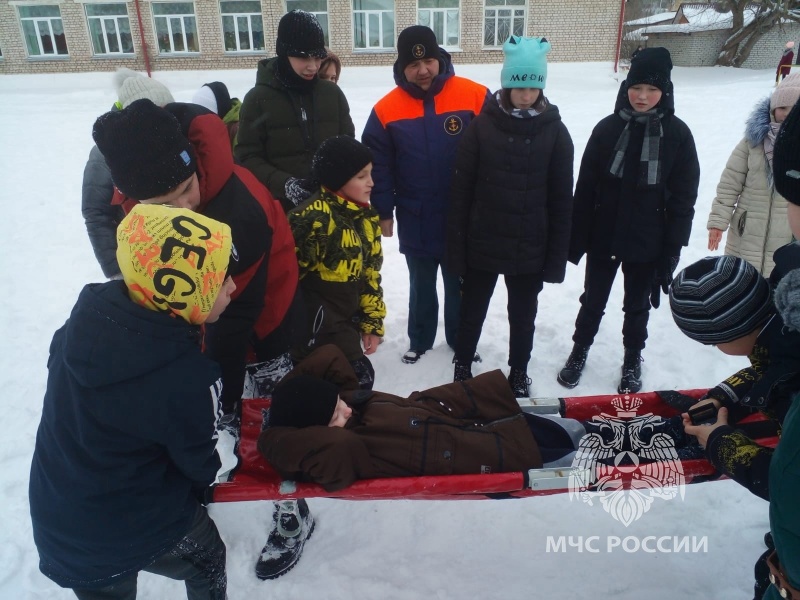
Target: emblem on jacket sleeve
pixel 418 51
pixel 453 125
pixel 629 460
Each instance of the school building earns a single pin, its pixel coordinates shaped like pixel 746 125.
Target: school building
pixel 50 36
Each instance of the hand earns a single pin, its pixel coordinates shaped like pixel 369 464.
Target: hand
pixel 387 227
pixel 714 237
pixel 370 341
pixel 701 432
pixel 297 190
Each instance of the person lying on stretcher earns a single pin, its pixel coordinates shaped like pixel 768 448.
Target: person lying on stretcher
pixel 322 428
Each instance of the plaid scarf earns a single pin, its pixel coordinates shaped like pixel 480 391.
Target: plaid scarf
pixel 650 164
pixel 518 113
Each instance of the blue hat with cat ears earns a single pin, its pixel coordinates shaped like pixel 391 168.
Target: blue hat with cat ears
pixel 525 62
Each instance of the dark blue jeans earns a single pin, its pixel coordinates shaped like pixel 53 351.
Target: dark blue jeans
pixel 523 302
pixel 198 559
pixel 600 274
pixel 423 303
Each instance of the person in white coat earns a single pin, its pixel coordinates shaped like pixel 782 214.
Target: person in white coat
pixel 747 205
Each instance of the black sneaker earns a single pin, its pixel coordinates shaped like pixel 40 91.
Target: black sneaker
pixel 519 382
pixel 293 526
pixel 411 356
pixel 631 381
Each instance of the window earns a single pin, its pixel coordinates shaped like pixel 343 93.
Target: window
pixel 441 16
pixel 43 30
pixel 109 28
pixel 242 25
pixel 501 19
pixel 373 24
pixel 176 27
pixel 318 8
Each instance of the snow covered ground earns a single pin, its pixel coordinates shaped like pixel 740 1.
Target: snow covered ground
pixel 390 549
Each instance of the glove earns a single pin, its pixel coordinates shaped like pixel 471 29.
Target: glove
pixel 655 294
pixel 664 270
pixel 297 190
pixel 665 267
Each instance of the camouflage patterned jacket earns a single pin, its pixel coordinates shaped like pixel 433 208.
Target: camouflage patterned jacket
pixel 768 385
pixel 338 246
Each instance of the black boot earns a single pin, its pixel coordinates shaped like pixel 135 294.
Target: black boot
pixel 570 375
pixel 519 382
pixel 292 527
pixel 631 381
pixel 462 372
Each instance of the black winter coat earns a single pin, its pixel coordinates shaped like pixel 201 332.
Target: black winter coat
pixel 617 219
pixel 511 195
pixel 126 443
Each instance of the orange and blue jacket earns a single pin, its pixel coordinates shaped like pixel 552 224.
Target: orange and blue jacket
pixel 413 135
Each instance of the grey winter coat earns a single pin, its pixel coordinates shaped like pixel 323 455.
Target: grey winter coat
pixel 100 216
pixel 747 205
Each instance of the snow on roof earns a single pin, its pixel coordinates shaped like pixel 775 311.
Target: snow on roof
pixel 659 18
pixel 700 17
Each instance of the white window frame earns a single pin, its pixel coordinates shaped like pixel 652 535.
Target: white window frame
pixel 169 18
pixel 102 20
pixel 514 8
pixel 37 21
pixel 443 11
pixel 380 14
pixel 317 13
pixel 249 16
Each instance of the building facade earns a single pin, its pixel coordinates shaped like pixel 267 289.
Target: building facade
pixel 50 36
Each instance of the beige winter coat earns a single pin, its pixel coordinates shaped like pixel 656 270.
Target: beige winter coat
pixel 748 203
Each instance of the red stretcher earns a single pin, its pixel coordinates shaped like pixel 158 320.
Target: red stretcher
pixel 254 479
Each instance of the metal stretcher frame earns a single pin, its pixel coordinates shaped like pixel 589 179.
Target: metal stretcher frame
pixel 254 478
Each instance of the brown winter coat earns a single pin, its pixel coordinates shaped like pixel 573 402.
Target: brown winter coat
pixel 475 426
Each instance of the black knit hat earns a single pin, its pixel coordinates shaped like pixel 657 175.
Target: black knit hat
pixel 651 66
pixel 303 401
pixel 338 160
pixel 786 158
pixel 415 43
pixel 720 299
pixel 300 35
pixel 145 150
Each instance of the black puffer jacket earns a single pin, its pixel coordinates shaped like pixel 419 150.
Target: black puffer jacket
pixel 616 218
pixel 511 195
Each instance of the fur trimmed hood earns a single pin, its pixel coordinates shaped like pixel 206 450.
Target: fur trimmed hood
pixel 757 125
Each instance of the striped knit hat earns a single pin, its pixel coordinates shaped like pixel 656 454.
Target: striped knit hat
pixel 719 299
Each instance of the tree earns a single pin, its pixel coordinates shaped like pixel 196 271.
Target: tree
pixel 745 32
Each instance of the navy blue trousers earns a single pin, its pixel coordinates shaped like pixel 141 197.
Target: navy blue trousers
pixel 423 303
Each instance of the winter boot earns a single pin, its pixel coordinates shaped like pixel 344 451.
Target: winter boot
pixel 519 382
pixel 570 375
pixel 631 381
pixel 462 372
pixel 293 526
